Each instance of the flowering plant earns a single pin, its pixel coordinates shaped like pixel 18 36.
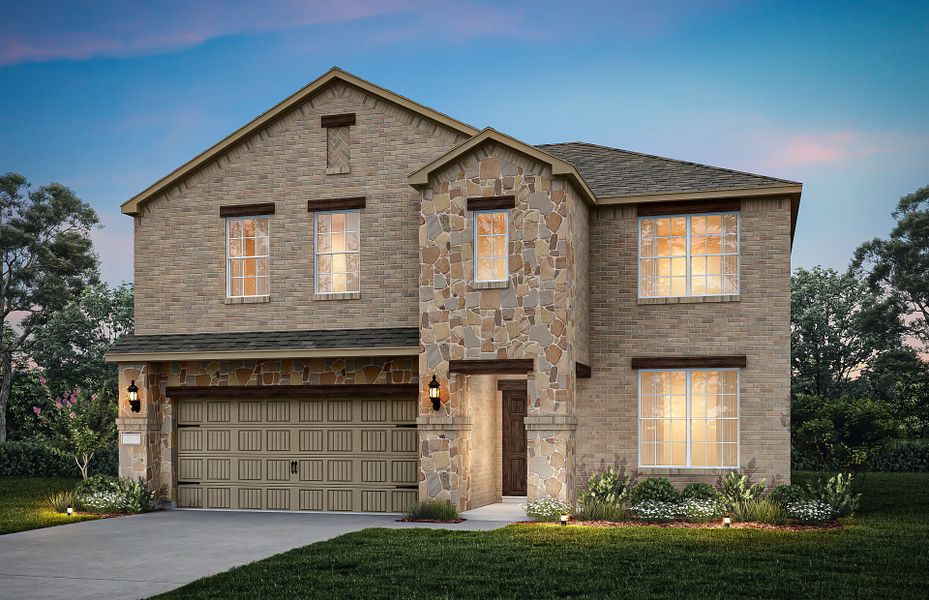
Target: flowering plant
pixel 809 511
pixel 546 509
pixel 78 424
pixel 657 510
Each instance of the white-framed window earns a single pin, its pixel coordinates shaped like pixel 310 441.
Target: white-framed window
pixel 689 418
pixel 689 255
pixel 491 254
pixel 248 256
pixel 337 243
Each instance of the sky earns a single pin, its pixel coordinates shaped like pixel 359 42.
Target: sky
pixel 108 96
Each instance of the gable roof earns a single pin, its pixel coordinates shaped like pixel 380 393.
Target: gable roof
pixel 558 166
pixel 131 206
pixel 616 173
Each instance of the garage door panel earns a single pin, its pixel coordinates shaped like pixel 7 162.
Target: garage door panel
pixel 298 454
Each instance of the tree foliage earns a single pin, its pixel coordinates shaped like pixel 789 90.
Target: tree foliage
pixel 839 433
pixel 71 345
pixel 78 424
pixel 838 325
pixel 46 259
pixel 898 266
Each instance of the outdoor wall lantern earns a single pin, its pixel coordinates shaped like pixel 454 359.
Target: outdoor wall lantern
pixel 435 393
pixel 132 393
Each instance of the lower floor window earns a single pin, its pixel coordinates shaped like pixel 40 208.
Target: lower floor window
pixel 689 418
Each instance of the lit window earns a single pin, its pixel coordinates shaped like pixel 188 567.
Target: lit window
pixel 689 418
pixel 247 257
pixel 694 255
pixel 337 252
pixel 490 239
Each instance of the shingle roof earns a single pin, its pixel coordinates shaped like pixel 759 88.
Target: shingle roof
pixel 614 172
pixel 392 337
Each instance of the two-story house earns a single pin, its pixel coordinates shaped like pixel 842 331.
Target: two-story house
pixel 306 286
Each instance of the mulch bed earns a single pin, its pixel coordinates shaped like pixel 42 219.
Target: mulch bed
pixel 686 525
pixel 430 521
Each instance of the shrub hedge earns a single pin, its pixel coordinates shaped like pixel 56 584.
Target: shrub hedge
pixel 903 455
pixel 32 458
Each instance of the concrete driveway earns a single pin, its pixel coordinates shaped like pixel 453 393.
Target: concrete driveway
pixel 142 555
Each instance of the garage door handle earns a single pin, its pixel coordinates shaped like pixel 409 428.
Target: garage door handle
pixel 293 467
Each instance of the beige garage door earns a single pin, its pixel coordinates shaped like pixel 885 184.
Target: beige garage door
pixel 297 454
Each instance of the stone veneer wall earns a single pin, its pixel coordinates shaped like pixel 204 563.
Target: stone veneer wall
pixel 180 237
pixel 756 325
pixel 532 317
pixel 154 459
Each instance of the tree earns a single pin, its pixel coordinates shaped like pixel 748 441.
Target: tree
pixel 899 379
pixel 838 324
pixel 79 425
pixel 838 433
pixel 899 266
pixel 46 259
pixel 70 346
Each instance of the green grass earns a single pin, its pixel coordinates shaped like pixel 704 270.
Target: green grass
pixel 881 553
pixel 22 503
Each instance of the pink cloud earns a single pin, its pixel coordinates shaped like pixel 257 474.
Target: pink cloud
pixel 44 31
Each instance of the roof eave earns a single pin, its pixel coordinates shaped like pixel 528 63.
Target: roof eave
pixel 131 206
pixel 126 357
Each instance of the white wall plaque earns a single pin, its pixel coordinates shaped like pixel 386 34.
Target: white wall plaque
pixel 131 438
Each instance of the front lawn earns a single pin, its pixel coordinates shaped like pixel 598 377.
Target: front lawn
pixel 22 503
pixel 880 553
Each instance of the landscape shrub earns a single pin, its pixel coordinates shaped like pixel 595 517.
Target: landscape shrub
pixel 33 458
pixel 784 494
pixel 597 510
pixel 902 456
pixel 610 486
pixel 108 494
pixel 700 491
pixel 97 483
pixel 656 510
pixel 701 509
pixel 546 509
pixel 836 491
pixel 435 510
pixel 736 489
pixel 656 489
pixel 759 510
pixel 137 498
pixel 60 501
pixel 809 511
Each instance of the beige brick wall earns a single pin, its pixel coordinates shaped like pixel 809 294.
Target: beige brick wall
pixel 180 238
pixel 757 326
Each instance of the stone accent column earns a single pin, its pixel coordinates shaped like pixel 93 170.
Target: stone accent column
pixel 551 457
pixel 445 459
pixel 143 459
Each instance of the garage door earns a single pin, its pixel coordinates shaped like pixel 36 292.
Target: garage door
pixel 297 454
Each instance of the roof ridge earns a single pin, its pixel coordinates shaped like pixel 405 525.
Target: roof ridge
pixel 674 160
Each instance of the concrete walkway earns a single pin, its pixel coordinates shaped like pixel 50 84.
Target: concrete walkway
pixel 142 555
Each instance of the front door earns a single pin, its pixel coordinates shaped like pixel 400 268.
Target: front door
pixel 514 443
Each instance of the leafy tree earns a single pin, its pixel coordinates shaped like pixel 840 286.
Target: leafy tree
pixel 899 265
pixel 70 346
pixel 838 325
pixel 46 259
pixel 25 388
pixel 838 433
pixel 900 380
pixel 78 425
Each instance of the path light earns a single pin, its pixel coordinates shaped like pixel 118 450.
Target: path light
pixel 564 520
pixel 727 521
pixel 70 511
pixel 132 393
pixel 435 391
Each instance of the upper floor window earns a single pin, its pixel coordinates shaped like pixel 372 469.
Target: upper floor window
pixel 247 257
pixel 689 418
pixel 338 243
pixel 689 255
pixel 490 240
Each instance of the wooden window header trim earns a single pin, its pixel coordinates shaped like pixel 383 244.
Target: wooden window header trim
pixel 335 204
pixel 652 209
pixel 339 120
pixel 690 362
pixel 491 202
pixel 247 210
pixel 582 371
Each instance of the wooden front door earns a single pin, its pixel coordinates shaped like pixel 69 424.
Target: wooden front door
pixel 514 443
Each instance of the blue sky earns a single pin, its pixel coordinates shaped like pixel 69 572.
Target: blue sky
pixel 109 96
